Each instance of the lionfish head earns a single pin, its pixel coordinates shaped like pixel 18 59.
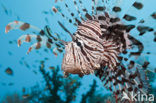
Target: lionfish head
pixel 82 53
pixel 69 64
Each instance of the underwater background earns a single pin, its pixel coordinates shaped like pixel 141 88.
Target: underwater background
pixel 28 78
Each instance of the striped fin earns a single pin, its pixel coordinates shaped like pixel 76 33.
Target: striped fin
pixel 44 39
pixel 55 52
pixel 95 4
pixel 100 7
pixel 137 71
pixel 85 11
pixel 93 7
pixel 33 38
pixel 104 22
pixel 108 4
pixel 39 45
pixel 82 7
pixel 122 80
pixel 146 25
pixel 23 26
pixel 135 15
pixel 55 10
pixel 118 8
pixel 49 33
pixel 145 29
pixel 40 42
pixel 135 8
pixel 136 45
pixel 137 11
pixel 78 11
pixel 72 15
pixel 66 30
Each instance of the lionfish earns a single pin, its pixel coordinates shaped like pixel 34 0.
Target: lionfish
pixel 103 43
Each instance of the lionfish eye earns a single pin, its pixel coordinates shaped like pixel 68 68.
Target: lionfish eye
pixel 78 43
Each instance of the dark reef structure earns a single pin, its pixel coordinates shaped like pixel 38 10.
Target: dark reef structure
pixel 58 89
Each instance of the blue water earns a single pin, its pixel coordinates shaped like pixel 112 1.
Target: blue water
pixel 28 11
pixel 31 11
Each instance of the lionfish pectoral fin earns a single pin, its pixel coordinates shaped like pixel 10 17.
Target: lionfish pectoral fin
pixel 22 26
pixel 64 42
pixel 39 45
pixel 43 39
pixel 59 47
pixel 31 38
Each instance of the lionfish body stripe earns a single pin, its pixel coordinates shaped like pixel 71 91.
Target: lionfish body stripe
pixel 102 44
pixel 93 47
